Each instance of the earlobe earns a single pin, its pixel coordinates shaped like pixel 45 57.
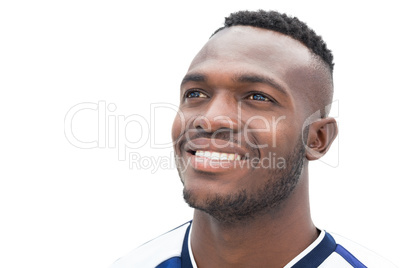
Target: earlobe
pixel 321 135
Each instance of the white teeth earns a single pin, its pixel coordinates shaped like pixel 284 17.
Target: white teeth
pixel 217 155
pixel 223 156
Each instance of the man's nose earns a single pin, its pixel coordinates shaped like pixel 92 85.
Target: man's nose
pixel 222 112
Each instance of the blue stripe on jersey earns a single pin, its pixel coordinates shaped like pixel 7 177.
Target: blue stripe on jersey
pixel 349 257
pixel 174 262
pixel 185 255
pixel 318 255
pixel 179 262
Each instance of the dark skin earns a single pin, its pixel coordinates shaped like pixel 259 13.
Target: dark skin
pixel 265 72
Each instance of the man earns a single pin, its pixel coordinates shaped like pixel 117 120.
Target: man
pixel 253 112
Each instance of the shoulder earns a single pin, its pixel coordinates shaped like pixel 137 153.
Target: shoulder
pixel 156 251
pixel 354 250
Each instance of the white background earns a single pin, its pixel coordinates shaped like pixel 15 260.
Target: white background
pixel 62 206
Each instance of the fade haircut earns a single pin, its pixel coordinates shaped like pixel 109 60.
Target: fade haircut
pixel 290 26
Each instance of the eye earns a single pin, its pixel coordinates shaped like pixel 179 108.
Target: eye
pixel 258 97
pixel 195 94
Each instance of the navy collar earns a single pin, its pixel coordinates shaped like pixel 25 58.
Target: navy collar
pixel 313 259
pixel 318 254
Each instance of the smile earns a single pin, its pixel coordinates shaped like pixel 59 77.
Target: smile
pixel 217 155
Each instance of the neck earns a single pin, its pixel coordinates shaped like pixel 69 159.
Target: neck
pixel 272 239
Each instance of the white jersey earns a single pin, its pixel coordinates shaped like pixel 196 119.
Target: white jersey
pixel 173 250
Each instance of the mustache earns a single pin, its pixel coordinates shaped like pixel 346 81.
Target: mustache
pixel 221 134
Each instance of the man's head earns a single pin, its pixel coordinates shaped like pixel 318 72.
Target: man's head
pixel 241 135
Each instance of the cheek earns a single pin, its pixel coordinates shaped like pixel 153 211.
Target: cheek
pixel 178 126
pixel 273 133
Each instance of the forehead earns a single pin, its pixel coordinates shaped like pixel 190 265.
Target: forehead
pixel 247 48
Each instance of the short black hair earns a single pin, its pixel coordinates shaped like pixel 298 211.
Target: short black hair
pixel 290 26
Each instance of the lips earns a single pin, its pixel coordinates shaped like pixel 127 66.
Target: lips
pixel 215 149
pixel 217 155
pixel 214 155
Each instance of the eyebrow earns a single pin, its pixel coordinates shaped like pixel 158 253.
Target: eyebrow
pixel 241 78
pixel 194 78
pixel 254 78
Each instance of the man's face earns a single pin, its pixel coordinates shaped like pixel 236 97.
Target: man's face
pixel 238 135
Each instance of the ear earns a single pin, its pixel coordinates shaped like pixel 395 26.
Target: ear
pixel 320 137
